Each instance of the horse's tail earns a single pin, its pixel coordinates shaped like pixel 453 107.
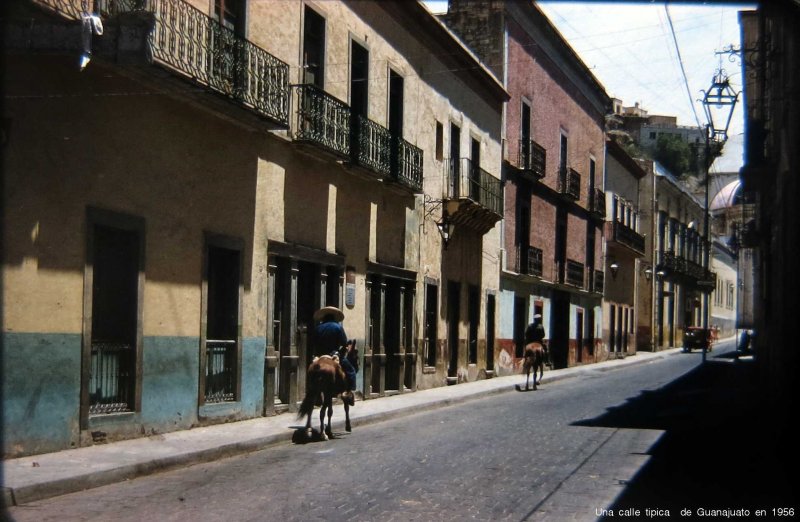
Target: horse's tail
pixel 312 395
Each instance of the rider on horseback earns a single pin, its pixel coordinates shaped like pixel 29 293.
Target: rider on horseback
pixel 534 333
pixel 331 339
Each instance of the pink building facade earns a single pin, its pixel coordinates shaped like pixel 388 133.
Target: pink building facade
pixel 554 153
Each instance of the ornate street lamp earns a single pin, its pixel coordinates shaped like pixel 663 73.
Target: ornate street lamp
pixel 445 227
pixel 719 101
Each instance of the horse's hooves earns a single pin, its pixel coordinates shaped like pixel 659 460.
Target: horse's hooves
pixel 348 428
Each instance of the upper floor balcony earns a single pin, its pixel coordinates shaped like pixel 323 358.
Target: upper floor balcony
pixel 529 260
pixel 598 282
pixel 625 236
pixel 188 43
pixel 329 124
pixel 676 266
pixel 473 197
pixel 598 203
pixel 575 273
pixel 322 120
pixel 531 159
pixel 569 183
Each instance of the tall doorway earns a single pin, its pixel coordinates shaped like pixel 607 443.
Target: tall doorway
pixel 453 316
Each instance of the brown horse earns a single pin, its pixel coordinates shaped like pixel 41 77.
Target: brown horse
pixel 534 359
pixel 325 380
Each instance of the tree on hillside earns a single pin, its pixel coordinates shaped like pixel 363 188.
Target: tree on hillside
pixel 673 153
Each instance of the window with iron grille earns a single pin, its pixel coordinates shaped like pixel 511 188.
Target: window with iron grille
pixel 220 378
pixel 535 264
pixel 112 347
pixel 575 273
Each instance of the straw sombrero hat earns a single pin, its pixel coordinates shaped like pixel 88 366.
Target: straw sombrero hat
pixel 337 314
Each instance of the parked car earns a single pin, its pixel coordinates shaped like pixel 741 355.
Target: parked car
pixel 696 337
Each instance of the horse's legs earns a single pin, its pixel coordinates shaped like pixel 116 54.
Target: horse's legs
pixel 308 422
pixel 322 431
pixel 347 426
pixel 541 371
pixel 329 406
pixel 528 375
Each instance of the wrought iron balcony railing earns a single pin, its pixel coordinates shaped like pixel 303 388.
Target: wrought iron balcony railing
pixel 220 385
pixel 532 158
pixel 598 203
pixel 111 378
pixel 599 281
pixel 569 183
pixel 684 267
pixel 408 170
pixel 628 237
pixel 370 145
pixel 198 47
pixel 529 260
pixel 575 273
pixel 466 180
pixel 322 120
pixel 328 122
pixel 67 8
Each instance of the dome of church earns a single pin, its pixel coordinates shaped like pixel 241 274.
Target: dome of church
pixel 727 197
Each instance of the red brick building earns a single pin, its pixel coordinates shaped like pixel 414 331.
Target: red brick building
pixel 554 151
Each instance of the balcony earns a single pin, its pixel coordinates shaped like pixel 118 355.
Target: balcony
pixel 408 169
pixel 625 236
pixel 569 183
pixel 370 145
pixel 531 159
pixel 186 41
pixel 598 203
pixel 474 197
pixel 691 271
pixel 322 120
pixel 328 123
pixel 575 273
pixel 599 281
pixel 529 260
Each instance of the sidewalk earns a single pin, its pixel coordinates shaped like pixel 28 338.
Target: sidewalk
pixel 37 477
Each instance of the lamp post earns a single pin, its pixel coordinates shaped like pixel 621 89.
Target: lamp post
pixel 719 101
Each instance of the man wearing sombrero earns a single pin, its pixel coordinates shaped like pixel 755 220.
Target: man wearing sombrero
pixel 330 337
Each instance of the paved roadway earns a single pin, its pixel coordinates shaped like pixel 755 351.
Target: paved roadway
pixel 513 456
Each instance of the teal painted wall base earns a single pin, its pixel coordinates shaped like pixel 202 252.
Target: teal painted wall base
pixel 41 392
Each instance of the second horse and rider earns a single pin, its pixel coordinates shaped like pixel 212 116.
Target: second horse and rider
pixel 535 355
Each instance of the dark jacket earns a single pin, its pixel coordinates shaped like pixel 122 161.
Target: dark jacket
pixel 534 333
pixel 328 338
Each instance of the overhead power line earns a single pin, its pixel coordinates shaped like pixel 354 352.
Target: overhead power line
pixel 683 70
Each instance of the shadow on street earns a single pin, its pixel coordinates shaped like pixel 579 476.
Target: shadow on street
pixel 720 449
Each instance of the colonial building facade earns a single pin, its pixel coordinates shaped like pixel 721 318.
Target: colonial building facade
pixel 676 249
pixel 554 160
pixel 625 250
pixel 186 188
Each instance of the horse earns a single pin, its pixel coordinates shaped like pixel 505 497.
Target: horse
pixel 325 380
pixel 534 358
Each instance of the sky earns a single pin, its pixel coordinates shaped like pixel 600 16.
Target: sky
pixel 630 49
